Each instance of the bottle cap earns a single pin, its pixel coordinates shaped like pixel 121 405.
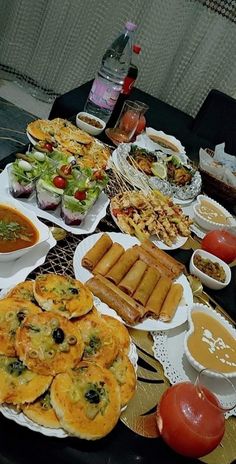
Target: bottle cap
pixel 130 26
pixel 136 49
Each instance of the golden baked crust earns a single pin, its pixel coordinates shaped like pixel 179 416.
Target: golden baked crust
pixel 41 129
pixel 23 291
pixel 12 314
pixel 42 412
pixel 49 343
pixel 100 345
pixel 120 332
pixel 19 384
pixel 124 373
pixel 86 400
pixel 62 295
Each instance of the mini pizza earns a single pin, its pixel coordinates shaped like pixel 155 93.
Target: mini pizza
pixel 42 412
pixel 23 291
pixel 120 332
pixel 20 385
pixel 124 373
pixel 62 295
pixel 86 401
pixel 49 343
pixel 12 314
pixel 100 344
pixel 41 129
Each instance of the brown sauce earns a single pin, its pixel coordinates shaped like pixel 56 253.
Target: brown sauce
pixel 211 344
pixel 16 230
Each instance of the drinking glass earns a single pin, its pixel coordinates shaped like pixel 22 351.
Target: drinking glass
pixel 190 417
pixel 127 123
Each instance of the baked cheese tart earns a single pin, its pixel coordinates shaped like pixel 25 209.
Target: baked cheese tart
pixel 100 344
pixel 12 314
pixel 49 343
pixel 125 375
pixel 18 384
pixel 42 412
pixel 62 295
pixel 120 332
pixel 23 291
pixel 86 400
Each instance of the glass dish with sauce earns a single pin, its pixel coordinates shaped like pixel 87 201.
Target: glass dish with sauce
pixel 210 341
pixel 210 215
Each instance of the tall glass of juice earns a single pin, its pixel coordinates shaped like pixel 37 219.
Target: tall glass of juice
pixel 190 417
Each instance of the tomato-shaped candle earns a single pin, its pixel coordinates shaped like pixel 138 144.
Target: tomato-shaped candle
pixel 220 243
pixel 191 419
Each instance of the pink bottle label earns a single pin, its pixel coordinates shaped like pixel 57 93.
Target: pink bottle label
pixel 104 94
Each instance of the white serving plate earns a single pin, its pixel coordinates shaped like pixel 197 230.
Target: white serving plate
pixel 88 225
pixel 169 350
pixel 128 241
pixel 214 314
pixel 180 241
pixel 13 272
pixel 10 412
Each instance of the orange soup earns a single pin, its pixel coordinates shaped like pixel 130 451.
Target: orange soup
pixel 16 230
pixel 211 344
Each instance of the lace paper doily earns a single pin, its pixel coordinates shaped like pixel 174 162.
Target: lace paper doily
pixel 168 349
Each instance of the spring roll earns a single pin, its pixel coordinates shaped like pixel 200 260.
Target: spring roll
pixel 97 251
pixel 158 296
pixel 132 279
pixel 130 311
pixel 147 285
pixel 122 266
pixel 168 261
pixel 109 259
pixel 171 303
pixel 151 261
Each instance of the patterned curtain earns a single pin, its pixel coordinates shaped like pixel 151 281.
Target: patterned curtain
pixel 188 46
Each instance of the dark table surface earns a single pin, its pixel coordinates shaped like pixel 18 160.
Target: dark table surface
pixel 121 446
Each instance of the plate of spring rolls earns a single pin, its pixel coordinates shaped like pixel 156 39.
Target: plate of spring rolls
pixel 141 283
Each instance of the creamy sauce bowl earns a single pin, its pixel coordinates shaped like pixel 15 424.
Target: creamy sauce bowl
pixel 210 215
pixel 210 341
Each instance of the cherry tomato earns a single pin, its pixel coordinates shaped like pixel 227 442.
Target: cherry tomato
pixel 98 175
pixel 80 195
pixel 141 125
pixel 60 182
pixel 220 243
pixel 48 146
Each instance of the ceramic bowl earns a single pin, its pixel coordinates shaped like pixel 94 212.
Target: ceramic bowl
pixel 206 223
pixel 92 130
pixel 211 312
pixel 204 278
pixel 42 229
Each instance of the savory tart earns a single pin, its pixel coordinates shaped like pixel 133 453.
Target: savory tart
pixel 42 412
pixel 86 400
pixel 41 129
pixel 124 373
pixel 12 314
pixel 18 383
pixel 120 332
pixel 100 345
pixel 49 343
pixel 23 291
pixel 62 295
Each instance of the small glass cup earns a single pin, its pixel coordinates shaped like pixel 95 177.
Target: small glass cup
pixel 144 107
pixel 127 123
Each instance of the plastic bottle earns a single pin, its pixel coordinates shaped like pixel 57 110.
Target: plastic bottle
pixel 110 78
pixel 132 72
